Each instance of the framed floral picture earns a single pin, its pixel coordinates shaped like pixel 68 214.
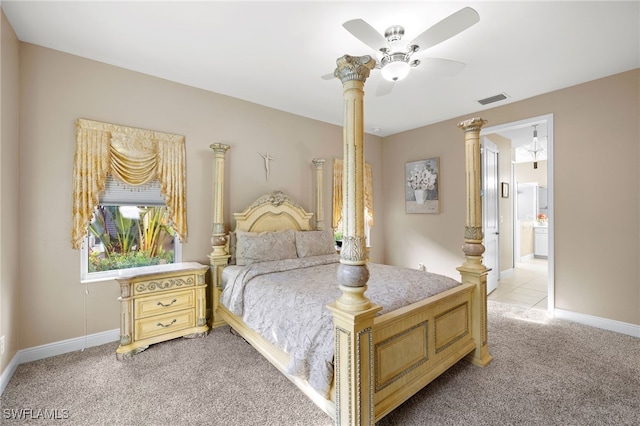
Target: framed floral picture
pixel 422 181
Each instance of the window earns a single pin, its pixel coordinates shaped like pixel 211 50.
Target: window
pixel 338 231
pixel 129 230
pixel 337 200
pixel 129 199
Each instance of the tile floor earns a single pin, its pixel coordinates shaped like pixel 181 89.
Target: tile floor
pixel 526 285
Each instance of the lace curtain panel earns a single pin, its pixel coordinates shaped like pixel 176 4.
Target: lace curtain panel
pixel 337 193
pixel 133 156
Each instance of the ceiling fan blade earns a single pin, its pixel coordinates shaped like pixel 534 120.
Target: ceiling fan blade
pixel 440 66
pixel 447 28
pixel 328 76
pixel 385 87
pixel 366 34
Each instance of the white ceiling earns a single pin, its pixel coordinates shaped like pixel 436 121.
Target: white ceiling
pixel 273 53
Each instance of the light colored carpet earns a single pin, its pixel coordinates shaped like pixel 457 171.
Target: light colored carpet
pixel 545 372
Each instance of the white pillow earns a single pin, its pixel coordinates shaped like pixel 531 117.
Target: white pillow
pixel 315 243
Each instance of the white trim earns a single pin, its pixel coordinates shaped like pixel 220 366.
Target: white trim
pixel 551 258
pixel 56 348
pixel 95 277
pixel 526 257
pixel 551 301
pixel 69 345
pixel 507 273
pixel 8 373
pixel 599 322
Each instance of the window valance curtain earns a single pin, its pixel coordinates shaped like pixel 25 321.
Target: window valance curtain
pixel 133 156
pixel 337 193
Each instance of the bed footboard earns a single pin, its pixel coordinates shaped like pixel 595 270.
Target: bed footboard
pixel 414 345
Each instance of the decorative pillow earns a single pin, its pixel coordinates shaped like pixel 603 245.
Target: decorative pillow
pixel 239 245
pixel 315 243
pixel 232 248
pixel 254 247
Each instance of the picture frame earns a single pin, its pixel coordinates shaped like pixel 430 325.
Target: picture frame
pixel 505 189
pixel 422 186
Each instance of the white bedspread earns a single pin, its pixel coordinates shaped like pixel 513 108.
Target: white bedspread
pixel 285 301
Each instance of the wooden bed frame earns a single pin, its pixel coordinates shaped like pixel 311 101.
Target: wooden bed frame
pixel 380 361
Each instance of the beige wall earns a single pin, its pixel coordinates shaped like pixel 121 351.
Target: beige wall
pixel 9 190
pixel 58 88
pixel 596 149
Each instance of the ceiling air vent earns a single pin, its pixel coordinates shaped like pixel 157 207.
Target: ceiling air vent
pixel 492 99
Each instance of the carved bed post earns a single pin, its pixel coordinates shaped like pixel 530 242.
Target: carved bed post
pixel 319 208
pixel 219 256
pixel 473 270
pixel 353 313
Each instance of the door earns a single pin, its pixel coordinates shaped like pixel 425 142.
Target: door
pixel 490 213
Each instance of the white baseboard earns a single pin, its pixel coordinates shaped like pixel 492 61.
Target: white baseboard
pixel 56 348
pixel 69 345
pixel 8 373
pixel 507 273
pixel 599 322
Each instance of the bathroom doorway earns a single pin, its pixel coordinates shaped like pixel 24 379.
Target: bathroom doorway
pixel 526 237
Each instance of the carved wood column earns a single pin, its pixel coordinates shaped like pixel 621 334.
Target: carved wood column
pixel 219 256
pixel 473 270
pixel 353 273
pixel 353 313
pixel 218 234
pixel 319 189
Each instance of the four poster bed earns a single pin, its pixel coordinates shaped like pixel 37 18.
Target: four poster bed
pixel 359 356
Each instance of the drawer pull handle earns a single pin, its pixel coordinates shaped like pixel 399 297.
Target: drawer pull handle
pixel 168 325
pixel 166 306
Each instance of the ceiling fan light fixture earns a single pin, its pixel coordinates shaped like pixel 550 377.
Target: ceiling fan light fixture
pixel 393 51
pixel 395 71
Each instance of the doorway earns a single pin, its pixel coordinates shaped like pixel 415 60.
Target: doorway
pixel 525 260
pixel 490 212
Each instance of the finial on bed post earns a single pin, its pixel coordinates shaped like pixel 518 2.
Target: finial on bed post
pixel 353 313
pixel 473 270
pixel 319 190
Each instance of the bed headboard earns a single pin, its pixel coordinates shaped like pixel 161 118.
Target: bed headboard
pixel 273 212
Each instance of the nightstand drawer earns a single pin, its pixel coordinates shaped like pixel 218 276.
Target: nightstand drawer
pixel 162 283
pixel 163 303
pixel 164 324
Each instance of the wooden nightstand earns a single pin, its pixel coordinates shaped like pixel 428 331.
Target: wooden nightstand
pixel 159 306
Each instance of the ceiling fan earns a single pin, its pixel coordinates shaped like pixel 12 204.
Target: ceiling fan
pixel 395 55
